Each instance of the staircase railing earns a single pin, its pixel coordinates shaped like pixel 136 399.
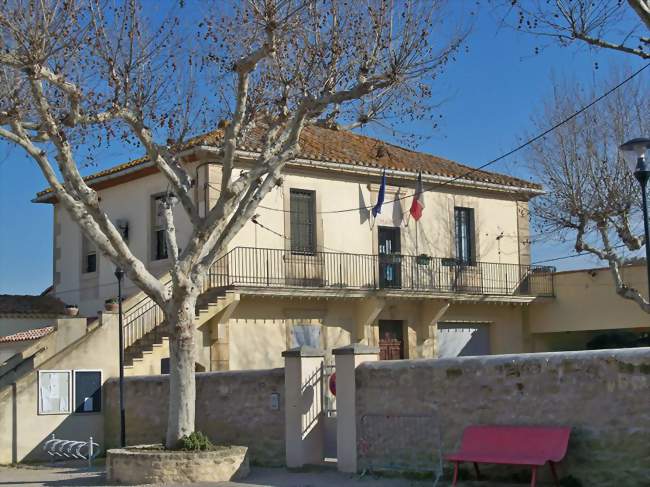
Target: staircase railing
pixel 141 318
pixel 145 315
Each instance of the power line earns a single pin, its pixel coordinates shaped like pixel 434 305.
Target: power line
pixel 493 161
pixel 572 256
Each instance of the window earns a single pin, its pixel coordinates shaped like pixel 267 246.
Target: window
pixel 89 252
pixel 87 391
pixel 303 221
pixel 158 237
pixel 53 391
pixel 464 223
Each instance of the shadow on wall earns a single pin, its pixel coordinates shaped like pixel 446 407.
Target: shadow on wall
pixel 463 340
pixel 241 408
pixel 610 426
pixel 75 426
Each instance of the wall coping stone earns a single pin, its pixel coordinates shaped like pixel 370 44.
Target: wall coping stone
pixel 640 354
pixel 202 375
pixel 304 352
pixel 356 349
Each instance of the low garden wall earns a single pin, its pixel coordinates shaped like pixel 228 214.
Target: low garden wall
pixel 403 407
pixel 231 408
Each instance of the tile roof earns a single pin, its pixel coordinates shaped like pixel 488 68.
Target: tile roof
pixel 345 147
pixel 23 336
pixel 12 304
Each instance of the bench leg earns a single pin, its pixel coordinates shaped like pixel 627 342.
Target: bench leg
pixel 554 473
pixel 533 478
pixel 478 472
pixel 455 474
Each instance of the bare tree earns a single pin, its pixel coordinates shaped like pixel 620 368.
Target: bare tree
pixel 591 195
pixel 611 24
pixel 82 73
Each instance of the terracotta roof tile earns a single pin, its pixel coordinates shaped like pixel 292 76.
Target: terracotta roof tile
pixel 347 147
pixel 11 304
pixel 23 336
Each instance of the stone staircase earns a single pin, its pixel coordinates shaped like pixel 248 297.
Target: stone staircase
pixel 144 355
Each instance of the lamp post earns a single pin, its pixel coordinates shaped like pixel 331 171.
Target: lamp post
pixel 634 152
pixel 119 274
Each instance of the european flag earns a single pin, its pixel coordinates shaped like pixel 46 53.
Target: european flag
pixel 376 210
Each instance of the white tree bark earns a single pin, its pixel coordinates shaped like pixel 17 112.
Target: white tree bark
pixel 182 383
pixel 69 69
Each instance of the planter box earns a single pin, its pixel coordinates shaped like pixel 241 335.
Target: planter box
pixel 148 465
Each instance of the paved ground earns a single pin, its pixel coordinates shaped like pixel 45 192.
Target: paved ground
pixel 74 476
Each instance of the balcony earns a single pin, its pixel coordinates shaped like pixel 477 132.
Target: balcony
pixel 279 268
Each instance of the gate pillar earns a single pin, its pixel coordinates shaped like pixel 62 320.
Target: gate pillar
pixel 347 360
pixel 303 369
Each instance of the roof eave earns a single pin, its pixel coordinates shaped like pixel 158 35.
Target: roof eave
pixel 304 162
pixel 430 178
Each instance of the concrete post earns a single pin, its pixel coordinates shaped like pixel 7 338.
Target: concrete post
pixel 303 368
pixel 347 360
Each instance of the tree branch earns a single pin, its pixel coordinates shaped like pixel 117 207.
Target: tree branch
pixel 594 41
pixel 136 271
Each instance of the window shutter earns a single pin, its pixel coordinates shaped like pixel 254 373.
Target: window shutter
pixel 471 234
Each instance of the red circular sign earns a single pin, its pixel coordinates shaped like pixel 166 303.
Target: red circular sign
pixel 332 383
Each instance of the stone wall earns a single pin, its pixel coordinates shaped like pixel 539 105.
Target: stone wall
pixel 231 408
pixel 603 395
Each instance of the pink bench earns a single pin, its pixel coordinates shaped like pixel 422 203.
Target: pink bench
pixel 512 445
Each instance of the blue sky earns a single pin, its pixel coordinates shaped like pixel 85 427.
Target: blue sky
pixel 490 93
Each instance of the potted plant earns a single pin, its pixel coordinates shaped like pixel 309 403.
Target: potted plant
pixel 111 305
pixel 423 259
pixel 71 310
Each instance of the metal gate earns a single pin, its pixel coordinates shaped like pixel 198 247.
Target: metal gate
pixel 407 443
pixel 328 398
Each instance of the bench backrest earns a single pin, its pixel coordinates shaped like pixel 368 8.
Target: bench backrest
pixel 544 442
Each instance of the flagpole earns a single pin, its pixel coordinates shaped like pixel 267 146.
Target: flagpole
pixel 416 238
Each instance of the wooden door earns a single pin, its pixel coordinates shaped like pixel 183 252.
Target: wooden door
pixel 391 341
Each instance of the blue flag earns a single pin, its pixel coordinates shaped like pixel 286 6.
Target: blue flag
pixel 376 210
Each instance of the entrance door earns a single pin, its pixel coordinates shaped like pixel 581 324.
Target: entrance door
pixel 390 267
pixel 391 341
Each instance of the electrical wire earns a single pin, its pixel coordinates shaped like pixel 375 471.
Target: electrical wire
pixel 521 146
pixel 572 256
pixel 467 173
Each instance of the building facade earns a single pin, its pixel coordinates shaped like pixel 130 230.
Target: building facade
pixel 315 267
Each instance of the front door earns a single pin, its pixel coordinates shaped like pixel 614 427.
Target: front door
pixel 390 267
pixel 391 341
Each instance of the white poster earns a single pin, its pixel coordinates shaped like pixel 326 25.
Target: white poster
pixel 54 391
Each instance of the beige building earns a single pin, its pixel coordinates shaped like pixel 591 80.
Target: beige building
pixel 316 268
pixel 586 306
pixel 54 384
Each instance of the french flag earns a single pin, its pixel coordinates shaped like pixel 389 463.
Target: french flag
pixel 418 200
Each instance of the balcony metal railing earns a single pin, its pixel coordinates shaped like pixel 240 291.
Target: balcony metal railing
pixel 279 268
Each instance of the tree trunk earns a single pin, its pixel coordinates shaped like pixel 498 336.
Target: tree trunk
pixel 182 386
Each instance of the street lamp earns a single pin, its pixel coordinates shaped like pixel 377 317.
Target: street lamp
pixel 119 274
pixel 634 153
